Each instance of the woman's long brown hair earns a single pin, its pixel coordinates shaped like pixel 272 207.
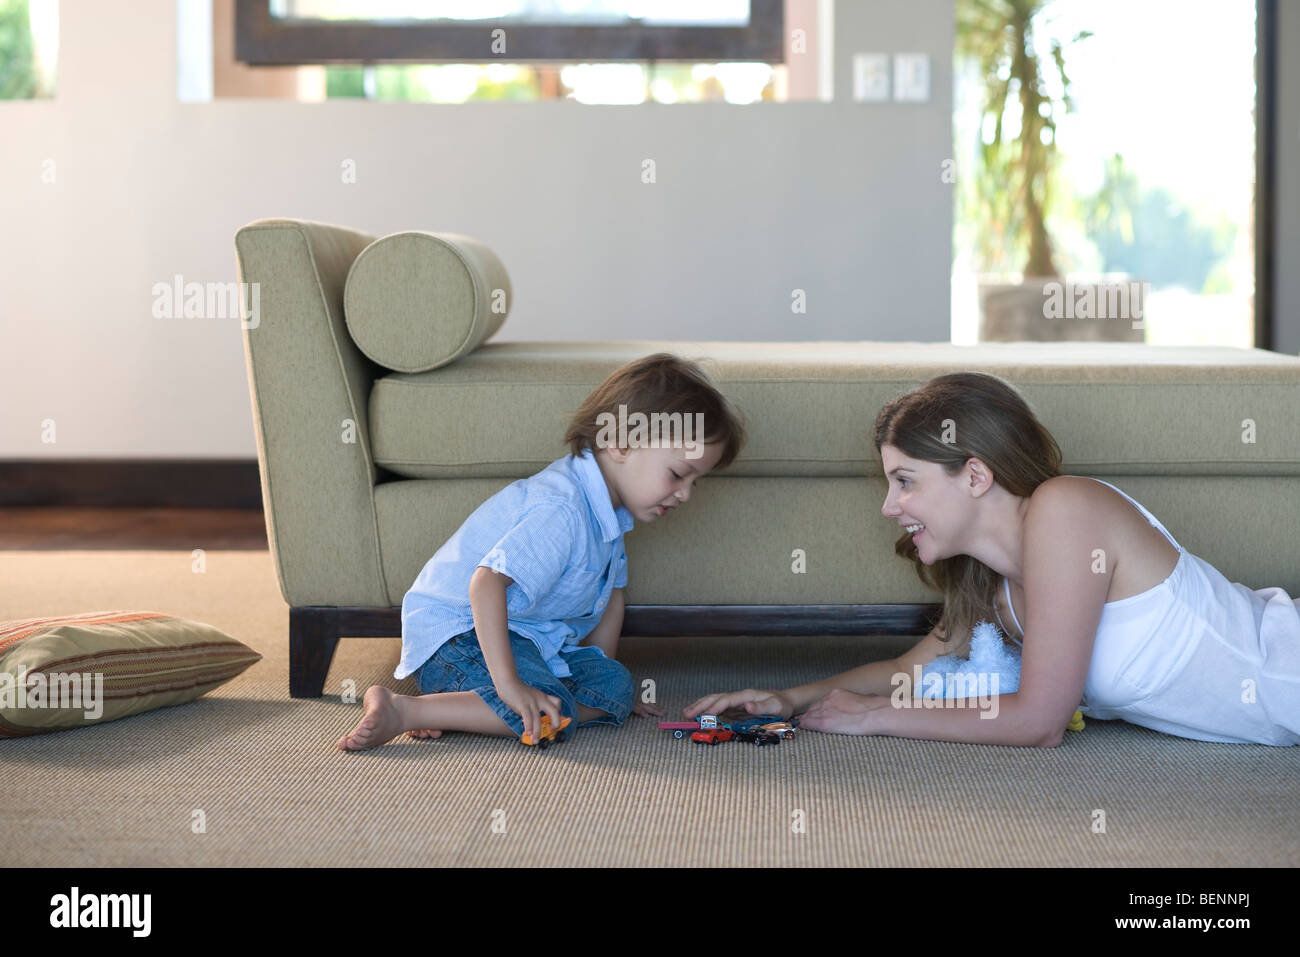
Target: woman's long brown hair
pixel 949 420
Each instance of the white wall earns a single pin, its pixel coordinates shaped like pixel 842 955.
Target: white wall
pixel 841 199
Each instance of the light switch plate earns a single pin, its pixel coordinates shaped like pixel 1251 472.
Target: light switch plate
pixel 911 77
pixel 871 77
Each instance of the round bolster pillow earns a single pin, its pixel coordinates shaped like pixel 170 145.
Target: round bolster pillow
pixel 415 301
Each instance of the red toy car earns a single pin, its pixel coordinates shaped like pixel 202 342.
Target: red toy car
pixel 711 731
pixel 713 736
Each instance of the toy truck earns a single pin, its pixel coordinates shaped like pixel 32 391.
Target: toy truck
pixel 678 728
pixel 545 735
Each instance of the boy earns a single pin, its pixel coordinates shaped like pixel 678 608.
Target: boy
pixel 519 613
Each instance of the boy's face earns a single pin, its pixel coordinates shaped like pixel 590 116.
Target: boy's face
pixel 651 482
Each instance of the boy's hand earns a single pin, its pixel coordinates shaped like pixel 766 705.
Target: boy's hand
pixel 646 710
pixel 754 702
pixel 529 703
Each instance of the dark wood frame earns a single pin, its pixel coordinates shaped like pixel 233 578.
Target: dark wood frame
pixel 131 483
pixel 263 40
pixel 314 632
pixel 1265 168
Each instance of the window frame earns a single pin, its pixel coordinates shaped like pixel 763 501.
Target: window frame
pixel 264 40
pixel 1266 148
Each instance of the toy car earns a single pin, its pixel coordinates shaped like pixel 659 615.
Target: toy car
pixel 712 731
pixel 781 728
pixel 713 735
pixel 758 736
pixel 753 721
pixel 545 735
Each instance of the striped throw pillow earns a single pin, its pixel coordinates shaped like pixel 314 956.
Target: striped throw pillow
pixel 77 670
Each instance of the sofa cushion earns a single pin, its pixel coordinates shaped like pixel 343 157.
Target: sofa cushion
pixel 415 301
pixel 791 541
pixel 1115 408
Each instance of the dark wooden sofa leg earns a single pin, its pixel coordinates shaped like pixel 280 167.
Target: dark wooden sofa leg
pixel 313 636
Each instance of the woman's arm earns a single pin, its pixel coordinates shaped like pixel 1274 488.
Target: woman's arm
pixel 1069 562
pixel 1064 596
pixel 876 677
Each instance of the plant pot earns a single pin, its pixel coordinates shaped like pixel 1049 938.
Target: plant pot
pixel 1060 310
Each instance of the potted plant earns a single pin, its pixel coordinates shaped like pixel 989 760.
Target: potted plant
pixel 1016 186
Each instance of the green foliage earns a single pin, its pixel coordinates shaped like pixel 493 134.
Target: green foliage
pixel 1149 233
pixel 1013 192
pixel 406 82
pixel 344 81
pixel 1111 210
pixel 524 87
pixel 409 82
pixel 399 82
pixel 1218 282
pixel 392 82
pixel 17 69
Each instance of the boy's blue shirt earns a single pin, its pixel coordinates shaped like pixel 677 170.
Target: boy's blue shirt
pixel 557 534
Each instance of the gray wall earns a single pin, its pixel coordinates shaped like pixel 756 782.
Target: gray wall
pixel 840 199
pixel 1286 226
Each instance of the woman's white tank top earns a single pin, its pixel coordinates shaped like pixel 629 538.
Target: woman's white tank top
pixel 1197 656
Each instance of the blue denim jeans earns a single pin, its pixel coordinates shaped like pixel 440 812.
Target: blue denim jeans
pixel 596 681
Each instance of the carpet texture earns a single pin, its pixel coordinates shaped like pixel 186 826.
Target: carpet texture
pixel 259 772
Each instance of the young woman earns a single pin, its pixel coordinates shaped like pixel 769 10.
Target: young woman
pixel 1113 616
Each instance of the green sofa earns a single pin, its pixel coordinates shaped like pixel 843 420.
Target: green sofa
pixel 366 471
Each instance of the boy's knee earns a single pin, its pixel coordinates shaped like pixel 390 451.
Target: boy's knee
pixel 587 713
pixel 625 687
pixel 609 691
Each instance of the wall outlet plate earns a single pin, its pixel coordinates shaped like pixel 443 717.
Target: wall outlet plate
pixel 871 77
pixel 911 77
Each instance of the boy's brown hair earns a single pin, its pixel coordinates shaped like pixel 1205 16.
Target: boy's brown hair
pixel 666 384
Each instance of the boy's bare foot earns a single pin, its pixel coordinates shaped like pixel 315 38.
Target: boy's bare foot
pixel 425 733
pixel 380 724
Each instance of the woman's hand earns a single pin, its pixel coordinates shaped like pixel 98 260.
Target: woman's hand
pixel 843 712
pixel 755 702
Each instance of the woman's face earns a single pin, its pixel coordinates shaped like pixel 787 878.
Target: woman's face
pixel 922 494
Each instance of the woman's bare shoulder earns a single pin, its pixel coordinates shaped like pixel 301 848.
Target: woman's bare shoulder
pixel 1078 508
pixel 1083 510
pixel 1088 497
pixel 1075 493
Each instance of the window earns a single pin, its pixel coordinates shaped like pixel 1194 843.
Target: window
pixel 1145 112
pixel 29 33
pixel 591 51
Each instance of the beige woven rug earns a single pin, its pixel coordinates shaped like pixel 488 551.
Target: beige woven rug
pixel 263 769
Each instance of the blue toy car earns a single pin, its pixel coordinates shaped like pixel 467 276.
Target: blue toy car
pixel 753 721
